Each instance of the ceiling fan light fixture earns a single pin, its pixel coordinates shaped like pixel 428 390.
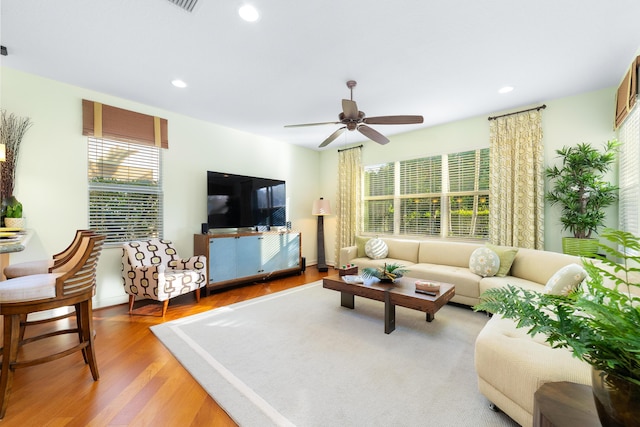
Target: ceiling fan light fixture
pixel 179 83
pixel 505 89
pixel 248 13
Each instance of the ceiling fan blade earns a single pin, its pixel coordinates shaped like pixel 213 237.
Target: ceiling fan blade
pixel 311 124
pixel 393 120
pixel 332 137
pixel 373 134
pixel 350 109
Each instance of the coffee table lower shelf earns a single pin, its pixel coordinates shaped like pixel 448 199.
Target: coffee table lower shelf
pixel 401 292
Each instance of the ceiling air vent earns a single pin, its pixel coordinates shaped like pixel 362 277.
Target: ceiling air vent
pixel 187 5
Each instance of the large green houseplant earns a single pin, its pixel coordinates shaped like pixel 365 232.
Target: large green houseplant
pixel 582 192
pixel 599 321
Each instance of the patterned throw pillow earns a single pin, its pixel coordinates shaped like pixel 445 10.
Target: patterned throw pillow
pixel 565 280
pixel 484 262
pixel 376 249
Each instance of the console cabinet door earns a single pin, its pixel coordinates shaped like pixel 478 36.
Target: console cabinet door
pixel 291 250
pixel 270 253
pixel 222 259
pixel 248 256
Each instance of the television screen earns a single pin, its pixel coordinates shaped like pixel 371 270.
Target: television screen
pixel 235 201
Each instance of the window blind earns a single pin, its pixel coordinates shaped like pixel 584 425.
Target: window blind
pixel 445 195
pixel 125 190
pixel 378 210
pixel 629 180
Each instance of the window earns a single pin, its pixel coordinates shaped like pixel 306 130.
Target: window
pixel 441 196
pixel 125 190
pixel 629 157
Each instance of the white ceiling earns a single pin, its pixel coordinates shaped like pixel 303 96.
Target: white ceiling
pixel 444 60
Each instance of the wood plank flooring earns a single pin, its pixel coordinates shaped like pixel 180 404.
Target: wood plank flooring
pixel 141 383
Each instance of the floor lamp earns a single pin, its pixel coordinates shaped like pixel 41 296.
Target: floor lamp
pixel 321 208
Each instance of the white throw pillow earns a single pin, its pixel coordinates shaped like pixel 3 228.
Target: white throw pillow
pixel 484 262
pixel 565 280
pixel 376 249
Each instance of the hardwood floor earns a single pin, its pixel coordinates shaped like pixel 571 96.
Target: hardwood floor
pixel 141 383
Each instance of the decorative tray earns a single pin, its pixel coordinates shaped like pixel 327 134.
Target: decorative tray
pixel 425 285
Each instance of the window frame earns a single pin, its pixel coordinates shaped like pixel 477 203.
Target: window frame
pixel 441 195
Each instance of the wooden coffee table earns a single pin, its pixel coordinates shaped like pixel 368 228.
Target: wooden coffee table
pixel 402 292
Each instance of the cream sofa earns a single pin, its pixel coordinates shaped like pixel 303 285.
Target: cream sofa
pixel 510 364
pixel 449 262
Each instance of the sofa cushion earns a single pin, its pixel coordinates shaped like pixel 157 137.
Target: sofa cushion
pixel 502 282
pixel 465 281
pixel 538 266
pixel 566 280
pixel 360 242
pixel 376 249
pixel 507 254
pixel 484 262
pixel 446 253
pixel 403 249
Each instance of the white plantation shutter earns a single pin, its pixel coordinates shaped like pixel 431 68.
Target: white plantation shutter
pixel 420 196
pixel 629 193
pixel 446 196
pixel 125 190
pixel 468 193
pixel 378 209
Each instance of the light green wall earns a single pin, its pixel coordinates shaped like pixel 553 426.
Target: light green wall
pixel 51 178
pixel 586 117
pixel 52 182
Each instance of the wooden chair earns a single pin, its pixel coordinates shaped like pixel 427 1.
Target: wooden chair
pixel 71 285
pixel 42 266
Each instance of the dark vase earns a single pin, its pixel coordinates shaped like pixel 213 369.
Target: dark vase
pixel 617 400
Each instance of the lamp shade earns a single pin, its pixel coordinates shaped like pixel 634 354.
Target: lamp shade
pixel 3 153
pixel 321 207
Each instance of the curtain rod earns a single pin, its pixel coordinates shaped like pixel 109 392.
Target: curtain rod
pixel 541 107
pixel 345 149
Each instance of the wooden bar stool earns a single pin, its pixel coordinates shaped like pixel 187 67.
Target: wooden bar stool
pixel 73 286
pixel 42 266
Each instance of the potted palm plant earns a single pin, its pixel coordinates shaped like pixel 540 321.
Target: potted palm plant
pixel 599 321
pixel 582 192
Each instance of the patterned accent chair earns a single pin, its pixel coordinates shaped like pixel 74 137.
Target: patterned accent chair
pixel 152 269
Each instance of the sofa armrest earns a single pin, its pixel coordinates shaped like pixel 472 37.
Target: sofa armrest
pixel 196 262
pixel 347 254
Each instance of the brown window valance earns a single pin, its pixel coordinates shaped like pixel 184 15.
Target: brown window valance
pixel 627 92
pixel 105 121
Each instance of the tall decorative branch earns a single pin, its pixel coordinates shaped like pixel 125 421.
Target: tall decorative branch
pixel 12 130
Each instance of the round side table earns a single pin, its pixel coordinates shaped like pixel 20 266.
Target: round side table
pixel 564 404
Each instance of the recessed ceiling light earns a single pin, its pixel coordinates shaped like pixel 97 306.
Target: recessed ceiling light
pixel 178 83
pixel 505 89
pixel 248 13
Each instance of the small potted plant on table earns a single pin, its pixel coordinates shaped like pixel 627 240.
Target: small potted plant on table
pixel 13 213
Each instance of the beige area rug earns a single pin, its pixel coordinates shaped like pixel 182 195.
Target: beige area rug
pixel 298 358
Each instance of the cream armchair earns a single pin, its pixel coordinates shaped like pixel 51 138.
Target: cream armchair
pixel 153 270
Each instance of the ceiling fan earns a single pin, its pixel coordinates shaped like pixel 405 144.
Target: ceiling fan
pixel 353 119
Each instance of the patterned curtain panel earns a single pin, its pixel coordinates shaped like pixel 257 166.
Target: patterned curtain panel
pixel 349 193
pixel 516 181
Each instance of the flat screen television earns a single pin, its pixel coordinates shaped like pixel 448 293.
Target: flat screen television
pixel 239 201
